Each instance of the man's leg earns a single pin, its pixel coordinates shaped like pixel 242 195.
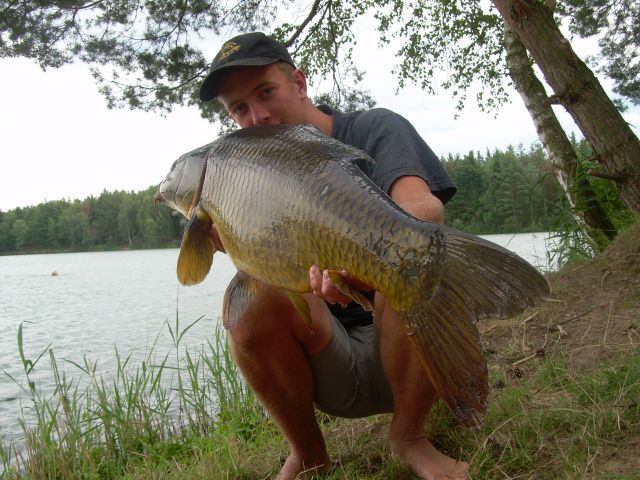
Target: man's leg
pixel 413 398
pixel 270 344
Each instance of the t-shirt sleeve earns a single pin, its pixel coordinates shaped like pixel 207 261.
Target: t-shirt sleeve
pixel 398 150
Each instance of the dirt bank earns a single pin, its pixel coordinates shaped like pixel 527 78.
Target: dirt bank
pixel 592 314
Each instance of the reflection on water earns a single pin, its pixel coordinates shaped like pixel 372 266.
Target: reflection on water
pixel 101 300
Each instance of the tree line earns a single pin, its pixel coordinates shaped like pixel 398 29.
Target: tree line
pixel 112 220
pixel 508 191
pixel 516 190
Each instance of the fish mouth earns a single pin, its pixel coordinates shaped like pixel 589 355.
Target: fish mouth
pixel 170 193
pixel 165 195
pixel 158 197
pixel 181 188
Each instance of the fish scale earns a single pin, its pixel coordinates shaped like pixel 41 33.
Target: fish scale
pixel 285 197
pixel 324 243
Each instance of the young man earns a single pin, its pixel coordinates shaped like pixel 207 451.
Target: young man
pixel 352 365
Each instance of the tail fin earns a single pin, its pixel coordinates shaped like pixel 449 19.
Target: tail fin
pixel 478 279
pixel 452 356
pixel 489 279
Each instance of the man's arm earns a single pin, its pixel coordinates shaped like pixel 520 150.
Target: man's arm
pixel 413 195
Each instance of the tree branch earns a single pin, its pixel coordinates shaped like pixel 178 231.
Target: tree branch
pixel 302 26
pixel 314 28
pixel 607 176
pixel 152 88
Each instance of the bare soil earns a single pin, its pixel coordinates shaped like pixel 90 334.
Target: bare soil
pixel 593 313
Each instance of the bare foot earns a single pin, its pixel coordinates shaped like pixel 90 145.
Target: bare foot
pixel 295 469
pixel 428 463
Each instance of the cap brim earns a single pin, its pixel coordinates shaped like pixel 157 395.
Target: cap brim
pixel 209 87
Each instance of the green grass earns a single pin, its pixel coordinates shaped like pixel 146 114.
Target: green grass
pixel 153 413
pixel 559 423
pixel 563 424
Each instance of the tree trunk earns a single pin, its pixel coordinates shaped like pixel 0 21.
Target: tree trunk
pixel 587 209
pixel 578 90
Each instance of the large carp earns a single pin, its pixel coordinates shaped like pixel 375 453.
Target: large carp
pixel 285 197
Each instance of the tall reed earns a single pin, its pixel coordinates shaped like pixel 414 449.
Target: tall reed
pixel 93 426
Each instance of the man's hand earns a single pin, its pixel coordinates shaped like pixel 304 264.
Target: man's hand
pixel 323 287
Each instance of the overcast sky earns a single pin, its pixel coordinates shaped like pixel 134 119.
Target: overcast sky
pixel 59 140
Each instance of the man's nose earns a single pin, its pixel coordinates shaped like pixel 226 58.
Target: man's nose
pixel 260 115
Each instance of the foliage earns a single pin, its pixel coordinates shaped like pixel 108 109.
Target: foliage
pixel 149 46
pixel 503 192
pixel 456 44
pixel 604 189
pixel 144 54
pixel 150 55
pixel 571 242
pixel 112 220
pixel 616 24
pixel 516 191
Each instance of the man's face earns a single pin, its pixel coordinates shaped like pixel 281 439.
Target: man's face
pixel 264 96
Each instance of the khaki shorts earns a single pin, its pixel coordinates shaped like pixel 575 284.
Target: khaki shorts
pixel 348 374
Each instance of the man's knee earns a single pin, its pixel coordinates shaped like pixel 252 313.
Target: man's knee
pixel 260 319
pixel 250 331
pixel 272 320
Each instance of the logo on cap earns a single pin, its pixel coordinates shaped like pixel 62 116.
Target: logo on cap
pixel 227 49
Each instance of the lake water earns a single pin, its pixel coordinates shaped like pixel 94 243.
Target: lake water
pixel 102 300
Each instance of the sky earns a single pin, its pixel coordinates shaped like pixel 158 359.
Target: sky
pixel 59 140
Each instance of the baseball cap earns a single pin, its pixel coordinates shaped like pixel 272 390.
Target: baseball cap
pixel 246 50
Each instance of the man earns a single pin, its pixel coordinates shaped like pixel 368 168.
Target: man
pixel 350 365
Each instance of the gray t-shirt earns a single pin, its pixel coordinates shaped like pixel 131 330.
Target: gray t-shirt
pixel 398 150
pixel 396 147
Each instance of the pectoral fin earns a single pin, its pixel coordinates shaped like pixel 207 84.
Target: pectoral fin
pixel 238 296
pixel 356 295
pixel 196 250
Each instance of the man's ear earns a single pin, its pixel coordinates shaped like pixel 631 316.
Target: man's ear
pixel 300 81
